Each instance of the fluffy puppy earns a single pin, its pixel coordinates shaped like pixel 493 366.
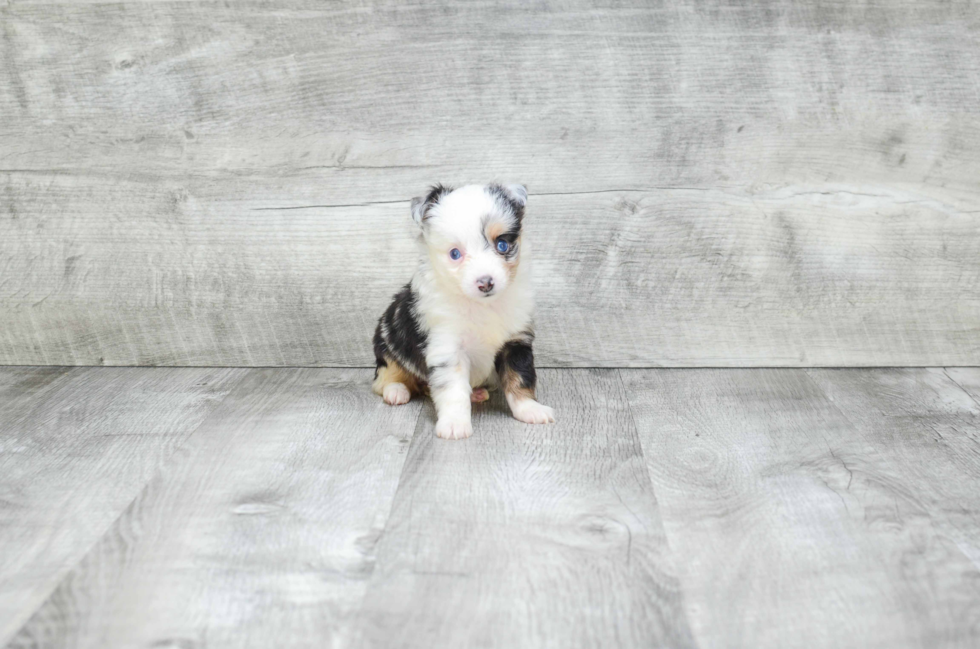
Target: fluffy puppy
pixel 464 321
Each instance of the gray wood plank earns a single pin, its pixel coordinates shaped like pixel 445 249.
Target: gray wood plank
pixel 968 378
pixel 816 512
pixel 928 427
pixel 671 277
pixel 261 533
pixel 76 447
pixel 561 95
pixel 543 536
pixel 804 176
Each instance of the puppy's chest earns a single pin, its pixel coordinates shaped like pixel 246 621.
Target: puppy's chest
pixel 480 344
pixel 478 333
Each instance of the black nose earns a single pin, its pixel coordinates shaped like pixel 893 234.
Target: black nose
pixel 485 283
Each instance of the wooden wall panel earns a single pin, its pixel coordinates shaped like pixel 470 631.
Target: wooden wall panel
pixel 715 184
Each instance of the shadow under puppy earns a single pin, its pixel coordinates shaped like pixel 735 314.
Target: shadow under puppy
pixel 464 321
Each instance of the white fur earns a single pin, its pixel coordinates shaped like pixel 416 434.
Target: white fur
pixel 396 394
pixel 530 411
pixel 465 327
pixel 456 222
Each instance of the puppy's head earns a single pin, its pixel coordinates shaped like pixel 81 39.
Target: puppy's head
pixel 473 235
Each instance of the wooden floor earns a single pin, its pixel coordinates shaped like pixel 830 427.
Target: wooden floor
pixel 189 508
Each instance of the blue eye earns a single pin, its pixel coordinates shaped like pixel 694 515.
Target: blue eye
pixel 455 254
pixel 502 246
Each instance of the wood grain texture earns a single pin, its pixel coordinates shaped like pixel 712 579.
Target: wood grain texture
pixel 785 183
pixel 672 277
pixel 820 509
pixel 260 533
pixel 928 428
pixel 744 508
pixel 76 446
pixel 968 378
pixel 544 536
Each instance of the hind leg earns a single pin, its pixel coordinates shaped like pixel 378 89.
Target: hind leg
pixel 394 383
pixel 395 394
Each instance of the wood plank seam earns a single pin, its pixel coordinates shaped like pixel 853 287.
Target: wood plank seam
pixel 653 490
pixel 419 424
pixel 67 570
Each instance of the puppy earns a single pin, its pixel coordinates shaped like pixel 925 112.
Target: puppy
pixel 464 321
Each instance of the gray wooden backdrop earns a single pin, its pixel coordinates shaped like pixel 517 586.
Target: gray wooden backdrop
pixel 712 183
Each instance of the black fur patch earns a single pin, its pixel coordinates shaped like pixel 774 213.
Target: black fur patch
pixel 399 336
pixel 502 194
pixel 518 356
pixel 436 192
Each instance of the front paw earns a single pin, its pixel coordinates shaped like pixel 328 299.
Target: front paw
pixel 453 428
pixel 531 412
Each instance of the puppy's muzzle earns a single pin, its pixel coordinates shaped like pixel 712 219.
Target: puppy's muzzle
pixel 485 284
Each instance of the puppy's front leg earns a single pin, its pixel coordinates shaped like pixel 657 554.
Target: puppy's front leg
pixel 449 383
pixel 515 367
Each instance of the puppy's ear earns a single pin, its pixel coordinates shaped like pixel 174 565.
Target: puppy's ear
pixel 418 210
pixel 518 193
pixel 422 204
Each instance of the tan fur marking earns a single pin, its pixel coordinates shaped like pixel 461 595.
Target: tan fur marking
pixel 395 373
pixel 515 262
pixel 493 231
pixel 512 385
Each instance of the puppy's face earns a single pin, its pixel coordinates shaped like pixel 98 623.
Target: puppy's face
pixel 473 235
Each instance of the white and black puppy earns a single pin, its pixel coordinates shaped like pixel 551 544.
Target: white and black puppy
pixel 464 322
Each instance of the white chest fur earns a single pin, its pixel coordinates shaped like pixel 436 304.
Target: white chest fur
pixel 481 335
pixel 462 331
